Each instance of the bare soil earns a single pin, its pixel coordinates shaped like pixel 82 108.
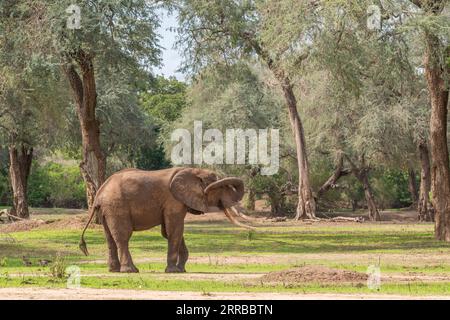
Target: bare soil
pixel 119 294
pixel 74 222
pixel 318 274
pixel 75 219
pixel 77 222
pixel 24 225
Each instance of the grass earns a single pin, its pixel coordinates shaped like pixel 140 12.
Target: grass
pixel 400 249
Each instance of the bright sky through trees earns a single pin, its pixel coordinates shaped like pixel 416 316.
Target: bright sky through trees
pixel 171 58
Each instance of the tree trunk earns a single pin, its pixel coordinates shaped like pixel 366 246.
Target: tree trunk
pixel 354 204
pixel 93 165
pixel 19 171
pixel 412 187
pixel 363 177
pixel 306 207
pixel 251 198
pixel 440 174
pixel 424 206
pixel 276 205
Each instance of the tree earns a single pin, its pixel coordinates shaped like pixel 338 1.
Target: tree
pixel 435 28
pixel 225 31
pixel 115 38
pixel 27 100
pixel 419 128
pixel 365 97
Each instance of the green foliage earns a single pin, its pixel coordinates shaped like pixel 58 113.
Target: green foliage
pixel 120 33
pixel 152 158
pixel 163 103
pixel 56 185
pixel 233 96
pixel 276 188
pixel 165 99
pixel 391 189
pixel 4 183
pixel 215 31
pixel 31 92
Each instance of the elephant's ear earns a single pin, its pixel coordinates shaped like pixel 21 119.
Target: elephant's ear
pixel 187 187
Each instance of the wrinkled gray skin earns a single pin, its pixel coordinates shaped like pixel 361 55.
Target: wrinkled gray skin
pixel 134 200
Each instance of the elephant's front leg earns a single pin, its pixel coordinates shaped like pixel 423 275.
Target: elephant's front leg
pixel 174 231
pixel 183 255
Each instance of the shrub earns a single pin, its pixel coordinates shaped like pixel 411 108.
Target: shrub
pixel 4 188
pixel 391 189
pixel 58 267
pixel 56 185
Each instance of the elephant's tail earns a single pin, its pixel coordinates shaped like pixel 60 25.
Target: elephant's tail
pixel 82 244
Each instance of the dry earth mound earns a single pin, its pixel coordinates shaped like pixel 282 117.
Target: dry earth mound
pixel 23 225
pixel 76 222
pixel 319 274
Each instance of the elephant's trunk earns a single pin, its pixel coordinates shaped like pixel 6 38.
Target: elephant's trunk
pixel 230 215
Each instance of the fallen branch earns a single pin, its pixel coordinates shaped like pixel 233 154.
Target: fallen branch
pixel 336 219
pixel 12 217
pixel 276 219
pixel 9 216
pixel 357 219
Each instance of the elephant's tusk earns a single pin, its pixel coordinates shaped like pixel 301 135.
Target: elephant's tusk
pixel 234 221
pixel 240 214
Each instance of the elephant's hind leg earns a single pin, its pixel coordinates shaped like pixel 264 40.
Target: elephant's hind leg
pixel 113 257
pixel 121 232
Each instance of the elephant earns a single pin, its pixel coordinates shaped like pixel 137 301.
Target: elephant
pixel 135 200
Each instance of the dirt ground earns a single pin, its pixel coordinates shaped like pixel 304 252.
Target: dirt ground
pixel 315 273
pixel 119 294
pixel 76 219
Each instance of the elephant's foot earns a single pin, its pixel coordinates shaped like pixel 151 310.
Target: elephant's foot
pixel 129 269
pixel 114 266
pixel 182 268
pixel 174 269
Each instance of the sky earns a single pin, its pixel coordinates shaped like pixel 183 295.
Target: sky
pixel 171 59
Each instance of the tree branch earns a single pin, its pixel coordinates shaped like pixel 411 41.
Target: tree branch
pixel 339 172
